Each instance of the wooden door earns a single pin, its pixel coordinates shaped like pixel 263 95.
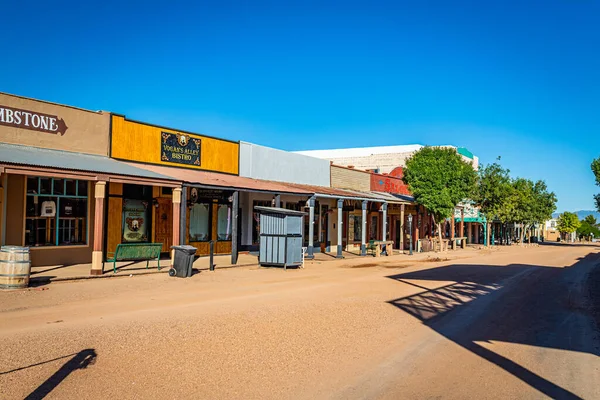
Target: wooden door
pixel 163 217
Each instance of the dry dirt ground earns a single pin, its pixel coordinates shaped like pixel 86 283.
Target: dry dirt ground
pixel 512 323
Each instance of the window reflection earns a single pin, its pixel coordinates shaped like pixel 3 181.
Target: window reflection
pixel 200 222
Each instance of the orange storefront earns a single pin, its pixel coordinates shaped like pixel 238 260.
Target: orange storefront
pixel 206 215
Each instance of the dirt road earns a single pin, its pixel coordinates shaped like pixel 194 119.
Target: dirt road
pixel 515 323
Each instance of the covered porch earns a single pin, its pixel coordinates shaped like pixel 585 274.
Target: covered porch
pixel 54 203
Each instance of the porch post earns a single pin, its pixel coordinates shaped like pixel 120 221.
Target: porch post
pixel 340 204
pixel 452 227
pixel 461 227
pixel 384 208
pixel 311 227
pixel 97 253
pixel 277 200
pixel 469 233
pixel 363 238
pixel 402 234
pixel 485 232
pixel 234 226
pixel 416 222
pixel 183 216
pixel 4 198
pixel 414 235
pixel 176 217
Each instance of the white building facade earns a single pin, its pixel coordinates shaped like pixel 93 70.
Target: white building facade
pixel 381 159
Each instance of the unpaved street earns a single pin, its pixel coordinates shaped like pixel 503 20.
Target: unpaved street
pixel 513 323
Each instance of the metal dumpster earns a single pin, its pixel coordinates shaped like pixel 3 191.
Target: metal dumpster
pixel 280 236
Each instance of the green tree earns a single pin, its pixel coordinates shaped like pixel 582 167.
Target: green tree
pixel 586 230
pixel 492 192
pixel 590 219
pixel 528 203
pixel 439 179
pixel 544 203
pixel 596 171
pixel 568 222
pixel 588 226
pixel 523 205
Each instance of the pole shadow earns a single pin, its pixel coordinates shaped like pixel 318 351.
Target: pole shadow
pixel 80 360
pixel 36 364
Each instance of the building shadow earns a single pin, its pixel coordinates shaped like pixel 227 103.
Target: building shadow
pixel 563 244
pixel 52 268
pixel 478 306
pixel 80 360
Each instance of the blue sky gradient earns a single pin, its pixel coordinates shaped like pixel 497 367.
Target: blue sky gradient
pixel 513 79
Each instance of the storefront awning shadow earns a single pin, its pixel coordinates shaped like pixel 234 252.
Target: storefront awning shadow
pixel 477 305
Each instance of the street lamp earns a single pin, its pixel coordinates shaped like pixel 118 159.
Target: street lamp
pixel 410 244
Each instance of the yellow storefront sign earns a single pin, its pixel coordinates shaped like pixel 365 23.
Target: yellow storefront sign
pixel 140 142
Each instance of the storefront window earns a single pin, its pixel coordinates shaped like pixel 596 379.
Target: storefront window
pixel 70 187
pixel 54 214
pixel 223 222
pixel 58 186
pixel 356 225
pixel 373 228
pixel 137 202
pixel 293 206
pixel 315 223
pixel 136 221
pixel 200 222
pixel 45 185
pixel 256 219
pixel 324 224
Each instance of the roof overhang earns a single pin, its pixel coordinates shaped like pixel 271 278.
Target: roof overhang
pixel 220 181
pixel 33 161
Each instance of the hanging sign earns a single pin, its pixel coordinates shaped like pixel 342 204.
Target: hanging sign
pixel 216 194
pixel 31 120
pixel 135 220
pixel 180 148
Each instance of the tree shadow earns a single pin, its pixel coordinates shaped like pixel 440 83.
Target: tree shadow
pixel 478 306
pixel 80 360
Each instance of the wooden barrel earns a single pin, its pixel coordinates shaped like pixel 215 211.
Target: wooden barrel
pixel 14 267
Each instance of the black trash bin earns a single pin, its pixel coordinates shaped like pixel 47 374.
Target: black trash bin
pixel 183 262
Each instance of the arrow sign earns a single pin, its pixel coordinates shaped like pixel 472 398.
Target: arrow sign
pixel 62 126
pixel 31 120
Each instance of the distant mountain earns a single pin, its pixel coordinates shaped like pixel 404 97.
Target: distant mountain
pixel 581 214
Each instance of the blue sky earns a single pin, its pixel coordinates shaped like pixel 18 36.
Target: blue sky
pixel 508 78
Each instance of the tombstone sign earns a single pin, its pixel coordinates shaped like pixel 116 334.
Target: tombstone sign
pixel 31 120
pixel 180 148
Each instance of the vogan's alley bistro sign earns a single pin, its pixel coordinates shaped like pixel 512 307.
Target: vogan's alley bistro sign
pixel 31 120
pixel 180 148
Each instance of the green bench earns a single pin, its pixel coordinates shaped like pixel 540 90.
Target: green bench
pixel 135 252
pixel 371 247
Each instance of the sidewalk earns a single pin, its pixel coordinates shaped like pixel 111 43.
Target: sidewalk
pixel 43 275
pixel 48 274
